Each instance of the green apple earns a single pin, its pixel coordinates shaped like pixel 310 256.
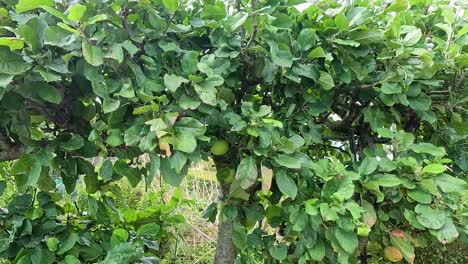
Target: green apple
pixel 226 175
pixel 220 147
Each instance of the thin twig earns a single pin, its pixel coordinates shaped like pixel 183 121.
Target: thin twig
pixel 169 23
pixel 254 22
pixel 460 81
pixel 85 37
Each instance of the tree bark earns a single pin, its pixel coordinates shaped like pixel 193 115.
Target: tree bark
pixel 225 249
pixel 9 150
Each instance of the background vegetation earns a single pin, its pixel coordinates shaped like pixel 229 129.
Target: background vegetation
pixel 337 131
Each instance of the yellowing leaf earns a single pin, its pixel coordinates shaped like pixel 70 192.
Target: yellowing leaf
pixel 171 4
pixel 76 12
pixel 434 168
pixel 267 176
pixel 12 43
pixel 26 5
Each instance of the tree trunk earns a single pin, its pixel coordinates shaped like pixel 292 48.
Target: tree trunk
pixel 225 250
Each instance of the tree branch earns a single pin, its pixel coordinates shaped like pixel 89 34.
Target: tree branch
pixel 9 150
pixel 254 22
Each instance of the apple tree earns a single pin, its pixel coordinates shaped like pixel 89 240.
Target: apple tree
pixel 331 126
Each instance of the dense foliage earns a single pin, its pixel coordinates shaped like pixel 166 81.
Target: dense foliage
pixel 329 127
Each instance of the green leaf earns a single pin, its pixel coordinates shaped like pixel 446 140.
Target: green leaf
pixel 234 22
pixel 346 42
pixel 26 5
pixel 95 19
pixel 52 243
pixel 306 39
pixel 172 5
pixel 317 53
pixel 67 244
pixel 338 189
pixel 68 28
pixel 368 165
pixel 247 172
pixel 110 105
pixel 412 37
pixel 149 230
pixel 12 43
pixel 391 88
pixel 185 142
pixel 429 217
pixel 170 175
pixel 129 47
pixel 428 148
pixel 434 168
pixel 190 125
pixel 317 253
pixel 116 53
pixel 57 36
pixel 348 240
pixel 172 82
pixel 280 54
pixel 239 236
pixel 54 12
pixel 93 54
pixel 132 135
pixel 177 161
pixel 70 259
pixel 74 143
pixel 34 174
pixel 12 63
pixel 366 36
pixel 216 12
pixel 420 196
pixel 448 233
pixel 375 117
pixel 48 93
pixel 187 102
pixel 450 184
pixel 118 237
pixel 385 180
pixel 279 252
pixel 288 161
pixel 154 168
pixel 76 12
pixel 397 6
pixel 132 174
pixel 189 62
pixel 106 170
pixel 5 80
pixel 307 70
pixel 342 22
pixel 286 185
pixel 420 103
pixel 122 253
pixel 326 81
